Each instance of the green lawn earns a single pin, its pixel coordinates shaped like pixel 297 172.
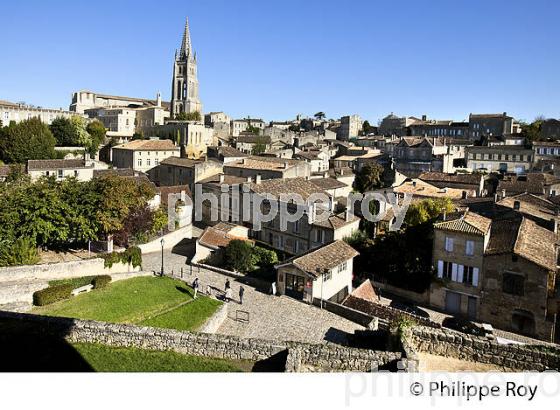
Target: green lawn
pixel 147 301
pixel 103 358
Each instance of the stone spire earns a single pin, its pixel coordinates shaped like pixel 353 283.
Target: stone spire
pixel 186 43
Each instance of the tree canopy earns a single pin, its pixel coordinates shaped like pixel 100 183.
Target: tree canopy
pixel 188 116
pixel 369 178
pixel 29 139
pixel 427 210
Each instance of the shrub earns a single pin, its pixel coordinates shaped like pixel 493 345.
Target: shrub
pixel 131 256
pixel 264 257
pixel 52 294
pixel 22 251
pixel 101 281
pixel 238 255
pixel 75 282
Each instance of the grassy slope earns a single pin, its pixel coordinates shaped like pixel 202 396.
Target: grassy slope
pixel 138 301
pixel 114 359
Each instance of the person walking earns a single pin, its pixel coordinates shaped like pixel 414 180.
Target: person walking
pixel 241 292
pixel 195 286
pixel 227 285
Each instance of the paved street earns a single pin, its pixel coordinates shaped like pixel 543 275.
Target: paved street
pixel 270 317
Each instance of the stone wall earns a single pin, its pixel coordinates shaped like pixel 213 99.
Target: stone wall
pixel 354 315
pixel 170 240
pixel 62 270
pixel 386 313
pixel 215 321
pixel 301 356
pixel 449 343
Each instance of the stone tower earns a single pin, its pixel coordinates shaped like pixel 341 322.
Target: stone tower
pixel 184 88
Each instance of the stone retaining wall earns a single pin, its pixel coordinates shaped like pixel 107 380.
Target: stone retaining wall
pixel 301 356
pixel 449 343
pixel 356 316
pixel 170 240
pixel 62 270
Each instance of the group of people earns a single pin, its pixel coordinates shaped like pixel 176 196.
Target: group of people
pixel 227 290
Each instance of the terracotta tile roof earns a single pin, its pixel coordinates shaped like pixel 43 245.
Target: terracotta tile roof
pixel 525 238
pixel 421 189
pixel 218 236
pixel 149 145
pixel 181 162
pixel 532 205
pixel 279 186
pixel 315 262
pixel 164 191
pixel 365 291
pixel 228 152
pixel 469 223
pixel 328 183
pixel 268 163
pixel 121 172
pixel 46 164
pixel 251 138
pixel 534 183
pixel 473 179
pixel 228 179
pixel 336 221
pixel 308 155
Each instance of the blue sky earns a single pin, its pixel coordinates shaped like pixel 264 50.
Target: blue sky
pixel 275 59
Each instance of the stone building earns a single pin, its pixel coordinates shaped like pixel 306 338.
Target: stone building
pixel 184 89
pixel 247 141
pixel 267 168
pixel 486 125
pixel 193 137
pixel 119 122
pixel 468 182
pixel 80 169
pixel 143 155
pixel 19 112
pixel 350 127
pixel 439 128
pixel 394 125
pixel 211 244
pixel 536 183
pixel 499 158
pixel 500 271
pixel 85 99
pixel 318 160
pixel 323 273
pixel 238 126
pixel 550 129
pixel 183 171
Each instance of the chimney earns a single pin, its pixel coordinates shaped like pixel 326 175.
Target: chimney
pixel 286 165
pixel 222 177
pixel 258 179
pixel 424 117
pixel 503 193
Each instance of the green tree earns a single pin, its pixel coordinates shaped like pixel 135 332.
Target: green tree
pixel 253 129
pixel 63 131
pixel 369 178
pixel 98 133
pixel 188 116
pixel 30 139
pixel 532 131
pixel 259 147
pixel 81 136
pixel 238 255
pixel 427 210
pixel 367 128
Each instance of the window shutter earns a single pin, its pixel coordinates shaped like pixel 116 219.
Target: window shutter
pixel 440 269
pixel 460 271
pixel 454 272
pixel 475 277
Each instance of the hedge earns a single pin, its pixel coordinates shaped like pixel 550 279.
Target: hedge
pixel 131 256
pixel 101 281
pixel 52 294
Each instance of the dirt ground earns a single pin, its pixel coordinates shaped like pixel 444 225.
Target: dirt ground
pixel 56 257
pixel 433 363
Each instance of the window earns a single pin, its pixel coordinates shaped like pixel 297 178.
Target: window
pixel 139 162
pixel 513 284
pixel 448 244
pixel 156 162
pixel 327 275
pixel 468 275
pixel 342 267
pixel 319 236
pixel 148 162
pixel 469 248
pixel 295 227
pixel 60 173
pixel 447 270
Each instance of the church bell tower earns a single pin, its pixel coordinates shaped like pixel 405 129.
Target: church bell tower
pixel 184 89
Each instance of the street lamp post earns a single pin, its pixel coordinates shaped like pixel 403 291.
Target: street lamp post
pixel 162 243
